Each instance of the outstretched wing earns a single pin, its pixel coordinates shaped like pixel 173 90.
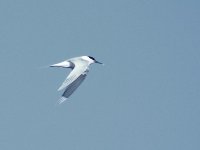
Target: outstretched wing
pixel 78 70
pixel 64 64
pixel 72 87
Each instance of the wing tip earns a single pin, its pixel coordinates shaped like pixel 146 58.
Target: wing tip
pixel 62 99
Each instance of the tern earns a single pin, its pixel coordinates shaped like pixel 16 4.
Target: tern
pixel 80 68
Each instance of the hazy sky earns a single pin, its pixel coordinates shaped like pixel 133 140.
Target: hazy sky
pixel 146 97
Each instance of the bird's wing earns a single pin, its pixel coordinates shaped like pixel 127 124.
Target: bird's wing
pixel 78 70
pixel 72 87
pixel 65 64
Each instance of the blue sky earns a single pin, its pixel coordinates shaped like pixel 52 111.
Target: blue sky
pixel 145 97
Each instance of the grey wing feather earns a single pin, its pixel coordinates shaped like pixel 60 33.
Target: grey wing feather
pixel 75 73
pixel 72 87
pixel 67 82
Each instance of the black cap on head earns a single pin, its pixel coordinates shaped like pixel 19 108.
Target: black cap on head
pixel 95 61
pixel 91 57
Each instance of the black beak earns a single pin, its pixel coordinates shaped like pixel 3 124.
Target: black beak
pixel 98 62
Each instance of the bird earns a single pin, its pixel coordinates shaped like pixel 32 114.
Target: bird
pixel 80 68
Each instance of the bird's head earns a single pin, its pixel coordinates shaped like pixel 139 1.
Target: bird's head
pixel 91 59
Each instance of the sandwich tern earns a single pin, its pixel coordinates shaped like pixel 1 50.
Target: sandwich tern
pixel 80 68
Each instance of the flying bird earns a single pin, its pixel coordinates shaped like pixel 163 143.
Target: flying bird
pixel 80 68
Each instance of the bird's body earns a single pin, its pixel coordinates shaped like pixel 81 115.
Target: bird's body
pixel 80 66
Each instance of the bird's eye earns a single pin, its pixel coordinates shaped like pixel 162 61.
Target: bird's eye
pixel 91 57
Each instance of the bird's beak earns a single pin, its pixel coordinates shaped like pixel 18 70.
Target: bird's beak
pixel 98 62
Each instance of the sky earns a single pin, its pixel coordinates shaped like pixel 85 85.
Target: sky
pixel 146 97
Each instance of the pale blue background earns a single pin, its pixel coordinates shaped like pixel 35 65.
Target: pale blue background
pixel 146 97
